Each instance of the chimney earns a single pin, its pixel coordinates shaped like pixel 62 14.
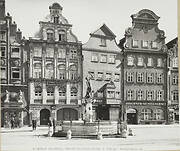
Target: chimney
pixel 18 35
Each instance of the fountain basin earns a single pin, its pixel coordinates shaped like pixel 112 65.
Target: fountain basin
pixel 78 128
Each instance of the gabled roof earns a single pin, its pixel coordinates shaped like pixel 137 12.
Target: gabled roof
pixel 104 31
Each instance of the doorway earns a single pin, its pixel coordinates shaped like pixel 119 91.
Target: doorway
pixel 44 116
pixel 131 116
pixel 102 112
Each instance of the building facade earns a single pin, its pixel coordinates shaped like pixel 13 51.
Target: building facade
pixel 55 70
pixel 173 97
pixel 145 70
pixel 13 72
pixel 101 64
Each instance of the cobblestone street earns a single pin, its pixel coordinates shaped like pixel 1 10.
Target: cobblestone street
pixel 147 137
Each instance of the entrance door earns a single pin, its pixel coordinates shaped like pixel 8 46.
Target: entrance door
pixel 67 114
pixel 131 116
pixel 44 116
pixel 102 112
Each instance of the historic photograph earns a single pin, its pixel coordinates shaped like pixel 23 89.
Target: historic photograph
pixel 83 75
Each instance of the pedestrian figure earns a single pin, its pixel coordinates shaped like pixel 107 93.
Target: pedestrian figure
pixel 34 124
pixel 12 122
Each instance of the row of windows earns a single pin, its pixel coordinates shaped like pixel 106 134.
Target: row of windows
pixel 140 77
pixel 147 114
pixel 51 35
pixel 144 44
pixel 141 62
pixel 50 92
pixel 15 73
pixel 145 95
pixel 15 52
pixel 103 58
pixel 51 53
pixel 104 76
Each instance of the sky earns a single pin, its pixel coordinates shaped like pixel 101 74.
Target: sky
pixel 88 15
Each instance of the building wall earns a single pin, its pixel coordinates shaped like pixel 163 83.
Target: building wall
pixel 145 59
pixel 55 71
pixel 13 72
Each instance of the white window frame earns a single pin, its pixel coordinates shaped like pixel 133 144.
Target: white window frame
pixel 160 95
pixel 150 95
pixel 145 44
pixel 159 78
pixel 103 42
pixel 129 95
pixel 17 54
pixel 103 58
pixel 108 76
pixel 175 80
pixel 130 61
pixel 159 62
pixel 150 62
pixel 140 95
pixel 37 52
pixel 116 77
pixel 158 113
pixel 112 58
pixel 140 77
pixel 129 77
pixel 2 35
pixel 110 94
pixel 150 77
pixel 140 61
pixel 147 114
pixel 175 62
pixel 154 44
pixel 100 77
pixel 94 57
pixel 135 43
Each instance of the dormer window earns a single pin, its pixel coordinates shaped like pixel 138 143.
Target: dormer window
pixel 103 42
pixel 61 35
pixel 145 44
pixel 56 20
pixel 135 43
pixel 154 44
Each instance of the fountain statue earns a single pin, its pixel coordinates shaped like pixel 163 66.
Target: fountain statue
pixel 88 113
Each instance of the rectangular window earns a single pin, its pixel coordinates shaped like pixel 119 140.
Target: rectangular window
pixel 3 52
pixel 2 36
pixel 15 73
pixel 140 61
pixel 118 95
pixel 61 76
pixel 149 95
pixel 108 76
pixel 103 58
pixel 160 95
pixel 38 93
pixel 154 44
pixel 73 76
pixel 37 73
pixel 140 77
pixel 145 44
pixel 91 75
pixel 37 51
pixel 50 52
pixel 159 62
pixel 100 75
pixel 56 20
pixel 129 77
pixel 150 77
pixel 150 62
pixel 15 53
pixel 112 58
pixel 175 96
pixel 62 93
pixel 159 78
pixel 130 61
pixel 175 80
pixel 50 36
pixel 117 77
pixel 139 95
pixel 110 94
pixel 129 95
pixel 135 43
pixel 61 53
pixel 73 93
pixel 3 73
pixel 175 62
pixel 103 42
pixel 94 57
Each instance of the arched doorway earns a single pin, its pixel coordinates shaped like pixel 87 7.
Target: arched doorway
pixel 67 114
pixel 131 116
pixel 44 116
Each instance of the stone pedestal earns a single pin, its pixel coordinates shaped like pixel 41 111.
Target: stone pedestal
pixel 69 134
pixel 99 135
pixel 124 133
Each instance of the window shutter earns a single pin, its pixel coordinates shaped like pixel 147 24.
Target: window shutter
pixel 143 77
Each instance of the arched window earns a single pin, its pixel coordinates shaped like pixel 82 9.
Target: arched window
pixel 159 114
pixel 50 34
pixel 37 70
pixel 62 36
pixel 38 91
pixel 146 114
pixel 74 91
pixel 61 53
pixel 62 92
pixel 73 72
pixel 49 71
pixel 61 72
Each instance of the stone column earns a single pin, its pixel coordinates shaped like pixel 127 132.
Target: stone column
pixel 44 93
pixel 56 94
pixel 56 35
pixel 44 34
pixel 31 92
pixel 68 93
